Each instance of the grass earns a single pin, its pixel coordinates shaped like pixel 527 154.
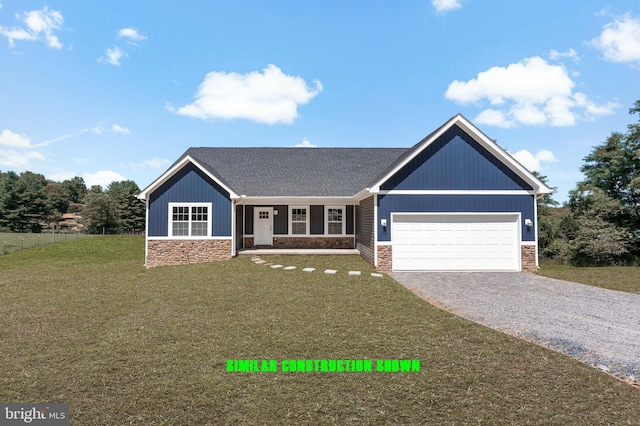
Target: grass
pixel 11 242
pixel 621 278
pixel 84 323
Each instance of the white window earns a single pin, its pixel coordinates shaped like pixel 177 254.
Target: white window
pixel 335 224
pixel 299 220
pixel 189 220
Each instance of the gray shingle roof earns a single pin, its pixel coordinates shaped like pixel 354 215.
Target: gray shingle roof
pixel 297 171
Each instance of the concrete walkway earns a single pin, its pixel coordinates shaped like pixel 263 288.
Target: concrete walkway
pixel 598 326
pixel 284 252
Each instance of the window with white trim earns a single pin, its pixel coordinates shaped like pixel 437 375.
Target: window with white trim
pixel 335 221
pixel 189 220
pixel 299 220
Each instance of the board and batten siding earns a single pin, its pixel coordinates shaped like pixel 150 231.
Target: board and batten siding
pixel 364 229
pixel 239 222
pixel 189 185
pixel 316 217
pixel 280 220
pixel 523 204
pixel 455 161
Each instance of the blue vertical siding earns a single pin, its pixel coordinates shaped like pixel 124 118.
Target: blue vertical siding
pixel 239 222
pixel 316 218
pixel 455 161
pixel 248 220
pixel 388 204
pixel 281 220
pixel 190 185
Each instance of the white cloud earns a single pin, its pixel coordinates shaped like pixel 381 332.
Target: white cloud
pixel 102 178
pixel 268 97
pixel 18 160
pixel 61 176
pixel 40 25
pixel 8 138
pixel 620 40
pixel 530 92
pixel 444 6
pixel 131 33
pixel 113 56
pixel 571 54
pixel 304 144
pixel 21 156
pixel 534 162
pixel 154 163
pixel 98 130
pixel 119 129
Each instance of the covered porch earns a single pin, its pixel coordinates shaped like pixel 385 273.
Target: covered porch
pixel 286 252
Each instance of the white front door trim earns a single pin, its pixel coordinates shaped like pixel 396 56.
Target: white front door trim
pixel 263 226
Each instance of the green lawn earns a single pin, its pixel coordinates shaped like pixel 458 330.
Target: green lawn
pixel 84 323
pixel 11 242
pixel 622 278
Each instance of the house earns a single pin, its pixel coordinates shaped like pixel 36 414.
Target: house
pixel 454 201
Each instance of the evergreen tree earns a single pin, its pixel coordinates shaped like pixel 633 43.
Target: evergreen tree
pixel 99 214
pixel 23 202
pixel 128 209
pixel 76 189
pixel 57 197
pixel 547 224
pixel 609 198
pixel 9 201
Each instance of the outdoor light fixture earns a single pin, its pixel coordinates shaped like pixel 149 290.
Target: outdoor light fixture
pixel 528 222
pixel 383 223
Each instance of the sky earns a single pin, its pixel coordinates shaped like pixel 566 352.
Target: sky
pixel 118 90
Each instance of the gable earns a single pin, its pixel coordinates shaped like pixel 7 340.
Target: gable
pixel 455 161
pixel 189 185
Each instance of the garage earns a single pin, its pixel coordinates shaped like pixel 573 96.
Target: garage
pixel 455 242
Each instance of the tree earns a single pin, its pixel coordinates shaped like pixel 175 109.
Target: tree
pixel 128 209
pixel 58 197
pixel 23 202
pixel 609 197
pixel 547 223
pixel 76 189
pixel 99 214
pixel 9 200
pixel 614 167
pixel 599 242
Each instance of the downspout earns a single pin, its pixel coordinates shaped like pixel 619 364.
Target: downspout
pixel 146 231
pixel 535 230
pixel 375 230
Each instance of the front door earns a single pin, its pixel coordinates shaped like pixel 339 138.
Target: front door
pixel 263 226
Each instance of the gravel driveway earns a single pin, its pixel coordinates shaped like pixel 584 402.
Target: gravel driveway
pixel 598 326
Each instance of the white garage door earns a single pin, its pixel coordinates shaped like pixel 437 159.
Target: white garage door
pixel 423 242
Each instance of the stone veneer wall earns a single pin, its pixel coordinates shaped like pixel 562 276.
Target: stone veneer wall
pixel 182 252
pixel 528 255
pixel 384 259
pixel 307 242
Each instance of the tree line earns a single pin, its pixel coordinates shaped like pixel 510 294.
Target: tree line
pixel 600 223
pixel 30 203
